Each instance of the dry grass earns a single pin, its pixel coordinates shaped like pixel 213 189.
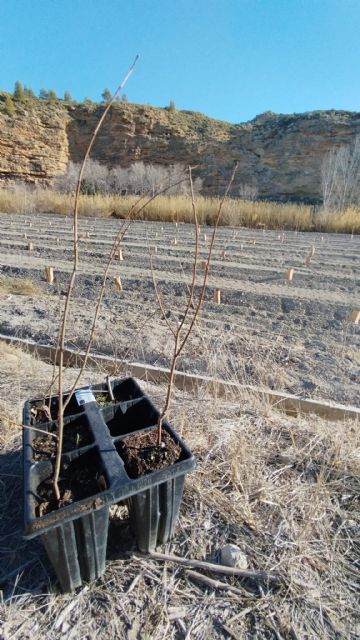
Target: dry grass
pixel 169 208
pixel 18 286
pixel 284 489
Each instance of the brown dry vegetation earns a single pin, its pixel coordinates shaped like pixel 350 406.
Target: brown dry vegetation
pixel 284 489
pixel 169 208
pixel 18 286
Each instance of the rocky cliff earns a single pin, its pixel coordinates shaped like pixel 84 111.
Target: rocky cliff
pixel 279 154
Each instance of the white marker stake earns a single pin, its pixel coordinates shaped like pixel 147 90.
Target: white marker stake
pixel 289 274
pixel 355 316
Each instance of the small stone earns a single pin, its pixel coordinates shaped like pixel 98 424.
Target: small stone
pixel 232 556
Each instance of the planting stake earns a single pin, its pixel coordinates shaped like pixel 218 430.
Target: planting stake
pixel 49 274
pixel 117 283
pixel 355 316
pixel 289 274
pixel 217 296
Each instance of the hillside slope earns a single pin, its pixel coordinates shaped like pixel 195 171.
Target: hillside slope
pixel 280 154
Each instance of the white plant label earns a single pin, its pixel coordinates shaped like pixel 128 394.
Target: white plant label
pixel 83 396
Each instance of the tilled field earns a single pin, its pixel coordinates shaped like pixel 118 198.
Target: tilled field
pixel 294 336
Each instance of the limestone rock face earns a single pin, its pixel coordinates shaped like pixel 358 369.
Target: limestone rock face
pixel 279 154
pixel 33 143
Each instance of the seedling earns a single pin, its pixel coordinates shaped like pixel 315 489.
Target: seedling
pixel 182 331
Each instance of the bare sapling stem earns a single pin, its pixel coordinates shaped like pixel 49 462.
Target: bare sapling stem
pixel 118 239
pixel 63 322
pixel 179 341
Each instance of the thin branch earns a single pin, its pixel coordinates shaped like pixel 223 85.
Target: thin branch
pixel 123 359
pixel 180 343
pixel 118 239
pixel 262 576
pixel 196 254
pixel 202 292
pixel 28 426
pixel 158 297
pixel 109 387
pixel 64 319
pixel 154 196
pixel 213 584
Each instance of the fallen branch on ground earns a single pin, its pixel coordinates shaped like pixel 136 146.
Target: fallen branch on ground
pixel 261 576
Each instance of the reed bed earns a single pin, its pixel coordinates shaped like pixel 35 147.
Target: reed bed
pixel 236 212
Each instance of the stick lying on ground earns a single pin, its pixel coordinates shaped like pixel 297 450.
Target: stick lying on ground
pixel 261 576
pixel 213 584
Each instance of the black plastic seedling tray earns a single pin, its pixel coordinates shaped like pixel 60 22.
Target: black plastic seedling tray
pixel 75 535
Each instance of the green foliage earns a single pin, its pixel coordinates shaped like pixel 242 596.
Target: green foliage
pixel 88 103
pixel 9 106
pixel 18 91
pixel 52 97
pixel 106 95
pixel 28 93
pixel 67 96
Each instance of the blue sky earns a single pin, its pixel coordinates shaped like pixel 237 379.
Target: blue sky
pixel 230 59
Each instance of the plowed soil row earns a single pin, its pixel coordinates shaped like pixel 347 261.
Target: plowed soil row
pixel 290 336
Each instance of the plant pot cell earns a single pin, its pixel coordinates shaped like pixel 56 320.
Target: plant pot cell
pixel 143 455
pixel 126 389
pixel 77 434
pixel 39 414
pixel 130 416
pixel 80 478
